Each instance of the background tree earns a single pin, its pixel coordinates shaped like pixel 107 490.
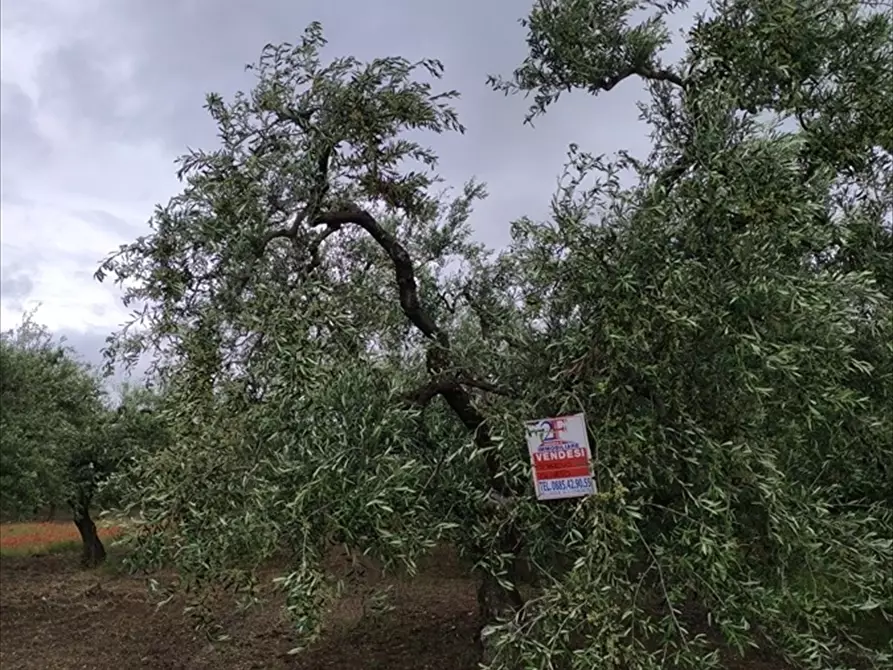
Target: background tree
pixel 51 412
pixel 345 364
pixel 59 441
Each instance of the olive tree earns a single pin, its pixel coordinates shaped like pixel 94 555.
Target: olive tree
pixel 53 448
pixel 62 440
pixel 344 364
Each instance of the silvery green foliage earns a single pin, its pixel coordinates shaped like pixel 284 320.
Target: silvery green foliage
pixel 724 322
pixel 729 332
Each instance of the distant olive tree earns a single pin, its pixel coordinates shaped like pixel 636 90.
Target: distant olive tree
pixel 51 430
pixel 60 440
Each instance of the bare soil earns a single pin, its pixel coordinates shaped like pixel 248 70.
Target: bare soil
pixel 54 615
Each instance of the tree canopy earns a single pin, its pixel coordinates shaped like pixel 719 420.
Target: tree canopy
pixel 345 363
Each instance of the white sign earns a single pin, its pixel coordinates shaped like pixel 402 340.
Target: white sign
pixel 560 456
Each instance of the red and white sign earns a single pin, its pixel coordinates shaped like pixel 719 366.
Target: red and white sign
pixel 560 456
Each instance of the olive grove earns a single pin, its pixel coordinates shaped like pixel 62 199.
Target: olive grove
pixel 344 363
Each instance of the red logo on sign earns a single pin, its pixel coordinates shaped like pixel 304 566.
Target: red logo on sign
pixel 554 429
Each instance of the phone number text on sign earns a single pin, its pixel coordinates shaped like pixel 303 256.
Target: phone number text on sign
pixel 560 456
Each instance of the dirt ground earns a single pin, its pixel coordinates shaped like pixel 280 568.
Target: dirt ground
pixel 55 616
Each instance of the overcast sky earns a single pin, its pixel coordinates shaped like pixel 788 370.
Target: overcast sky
pixel 99 97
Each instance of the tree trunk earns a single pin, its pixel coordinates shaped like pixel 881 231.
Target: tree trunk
pixel 93 553
pixel 499 603
pixel 496 604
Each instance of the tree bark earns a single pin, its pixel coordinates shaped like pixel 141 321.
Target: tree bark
pixel 93 553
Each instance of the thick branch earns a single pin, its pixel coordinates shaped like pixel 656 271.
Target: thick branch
pixel 643 71
pixel 318 193
pixel 486 320
pixel 479 312
pixel 319 190
pixel 455 395
pixel 423 395
pixel 403 269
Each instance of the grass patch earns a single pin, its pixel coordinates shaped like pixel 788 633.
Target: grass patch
pixel 32 538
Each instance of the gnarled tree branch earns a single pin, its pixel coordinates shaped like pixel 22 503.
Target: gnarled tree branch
pixel 645 72
pixel 403 269
pixel 423 395
pixel 455 395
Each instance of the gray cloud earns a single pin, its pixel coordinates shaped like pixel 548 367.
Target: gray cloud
pixel 103 220
pixel 178 51
pixel 24 147
pixel 113 91
pixel 77 86
pixel 15 284
pixel 174 52
pixel 88 346
pixel 10 191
